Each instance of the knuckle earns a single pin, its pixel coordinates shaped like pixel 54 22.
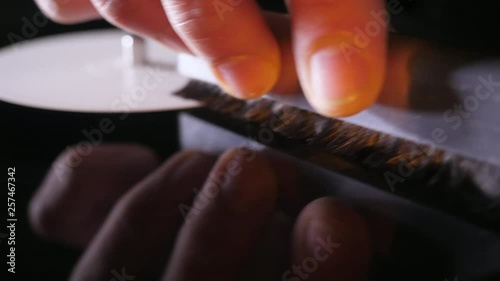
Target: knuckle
pixel 194 17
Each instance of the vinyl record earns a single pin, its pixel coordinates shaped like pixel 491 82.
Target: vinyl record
pixel 86 72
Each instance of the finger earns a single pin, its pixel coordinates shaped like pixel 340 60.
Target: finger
pixel 271 255
pixel 226 220
pixel 330 242
pixel 138 235
pixel 144 18
pixel 340 51
pixel 293 194
pixel 234 38
pixel 80 189
pixel 288 81
pixel 68 11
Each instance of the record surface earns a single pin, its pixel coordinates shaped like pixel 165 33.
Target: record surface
pixel 85 72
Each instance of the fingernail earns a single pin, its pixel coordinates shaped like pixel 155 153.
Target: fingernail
pixel 246 76
pixel 339 82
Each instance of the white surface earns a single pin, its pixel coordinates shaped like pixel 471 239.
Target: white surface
pixel 84 72
pixel 475 249
pixel 195 68
pixel 478 135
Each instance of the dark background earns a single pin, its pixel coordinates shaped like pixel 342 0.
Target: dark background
pixel 30 139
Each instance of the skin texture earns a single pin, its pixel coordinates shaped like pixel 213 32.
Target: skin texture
pixel 327 221
pixel 253 52
pixel 197 217
pixel 145 221
pixel 339 76
pixel 64 194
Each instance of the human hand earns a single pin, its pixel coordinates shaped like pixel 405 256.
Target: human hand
pixel 252 52
pixel 130 227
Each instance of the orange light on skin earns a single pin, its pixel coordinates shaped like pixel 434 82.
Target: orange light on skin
pixel 288 81
pixel 395 92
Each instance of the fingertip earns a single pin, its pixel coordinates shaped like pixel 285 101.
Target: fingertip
pixel 68 12
pixel 338 218
pixel 250 179
pixel 144 222
pixel 246 76
pixel 340 49
pixel 229 214
pixel 63 210
pixel 233 38
pixel 340 84
pixel 333 237
pixel 342 107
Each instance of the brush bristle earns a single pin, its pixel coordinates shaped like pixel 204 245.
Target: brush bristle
pixel 416 171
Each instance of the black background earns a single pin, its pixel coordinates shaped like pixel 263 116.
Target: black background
pixel 30 139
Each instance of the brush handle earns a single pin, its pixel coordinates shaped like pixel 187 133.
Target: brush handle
pixel 423 240
pixel 442 179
